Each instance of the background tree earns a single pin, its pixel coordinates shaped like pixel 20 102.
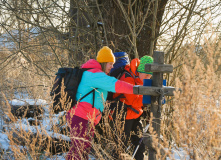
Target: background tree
pixel 140 23
pixel 80 28
pixel 39 36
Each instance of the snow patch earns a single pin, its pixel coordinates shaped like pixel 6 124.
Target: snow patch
pixel 4 141
pixel 23 102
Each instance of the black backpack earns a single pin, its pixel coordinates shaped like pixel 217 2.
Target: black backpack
pixel 70 78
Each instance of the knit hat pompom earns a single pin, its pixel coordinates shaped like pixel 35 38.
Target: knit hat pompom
pixel 144 60
pixel 105 54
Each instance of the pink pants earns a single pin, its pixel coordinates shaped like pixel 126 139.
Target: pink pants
pixel 81 134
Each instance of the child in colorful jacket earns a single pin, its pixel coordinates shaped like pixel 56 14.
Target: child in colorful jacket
pixel 83 117
pixel 135 73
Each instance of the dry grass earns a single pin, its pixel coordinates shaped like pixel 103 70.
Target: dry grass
pixel 195 120
pixel 191 120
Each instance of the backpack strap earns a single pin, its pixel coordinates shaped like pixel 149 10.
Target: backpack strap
pixel 93 97
pixel 85 69
pixel 117 98
pixel 129 106
pixel 88 94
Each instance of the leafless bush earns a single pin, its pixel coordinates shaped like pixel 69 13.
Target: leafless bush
pixel 194 117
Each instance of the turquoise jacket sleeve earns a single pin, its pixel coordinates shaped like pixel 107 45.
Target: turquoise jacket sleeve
pixel 103 81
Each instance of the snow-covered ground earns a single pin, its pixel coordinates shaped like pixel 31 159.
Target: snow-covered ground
pixel 177 154
pixel 44 129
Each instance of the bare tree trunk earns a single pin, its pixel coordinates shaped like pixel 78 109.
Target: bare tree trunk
pixel 73 32
pixel 83 31
pixel 125 38
pixel 153 27
pixel 143 39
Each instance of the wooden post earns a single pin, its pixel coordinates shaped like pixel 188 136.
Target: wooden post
pixel 155 108
pixel 156 91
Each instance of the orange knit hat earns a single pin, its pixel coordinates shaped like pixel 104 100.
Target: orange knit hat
pixel 105 54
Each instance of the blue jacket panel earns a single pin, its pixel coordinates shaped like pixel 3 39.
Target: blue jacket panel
pixel 99 80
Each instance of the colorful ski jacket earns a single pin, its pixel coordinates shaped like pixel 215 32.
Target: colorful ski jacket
pixel 135 101
pixel 96 78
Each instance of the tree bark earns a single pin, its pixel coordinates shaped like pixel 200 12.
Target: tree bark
pixel 83 29
pixel 118 31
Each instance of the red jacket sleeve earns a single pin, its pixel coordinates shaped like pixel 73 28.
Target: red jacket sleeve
pixel 123 87
pixel 132 99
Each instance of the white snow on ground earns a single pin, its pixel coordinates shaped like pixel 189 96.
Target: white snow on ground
pixel 41 130
pixel 4 142
pixel 23 102
pixel 177 154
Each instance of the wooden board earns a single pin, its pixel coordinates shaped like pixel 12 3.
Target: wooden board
pixel 153 91
pixel 165 68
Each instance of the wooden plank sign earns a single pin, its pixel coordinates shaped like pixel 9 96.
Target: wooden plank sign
pixel 156 91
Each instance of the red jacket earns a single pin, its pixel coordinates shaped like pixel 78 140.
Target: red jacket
pixel 135 101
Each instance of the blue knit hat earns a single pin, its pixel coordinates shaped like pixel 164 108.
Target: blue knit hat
pixel 121 60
